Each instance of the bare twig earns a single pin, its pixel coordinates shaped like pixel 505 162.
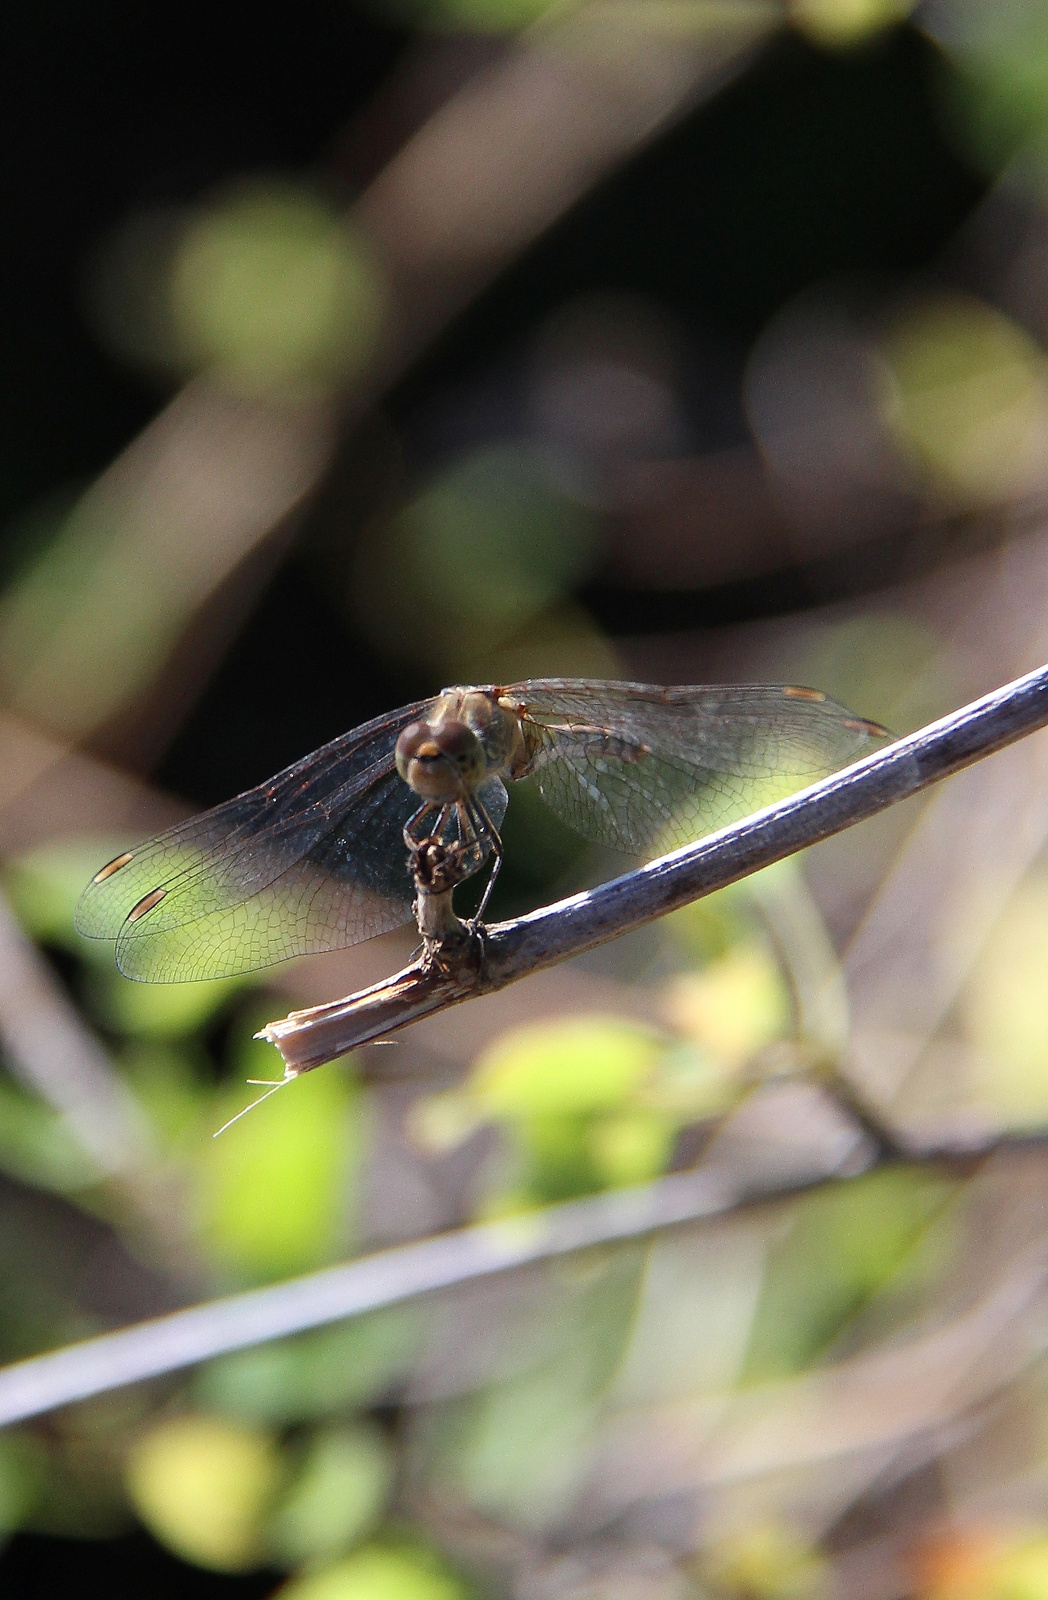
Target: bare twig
pixel 511 950
pixel 167 1344
pixel 389 1277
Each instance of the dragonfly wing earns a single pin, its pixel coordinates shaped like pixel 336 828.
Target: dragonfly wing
pixel 311 860
pixel 638 767
pixel 349 885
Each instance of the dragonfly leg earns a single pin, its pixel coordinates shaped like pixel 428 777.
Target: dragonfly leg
pixel 488 830
pixel 411 834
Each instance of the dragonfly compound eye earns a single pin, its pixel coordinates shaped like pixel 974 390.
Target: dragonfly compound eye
pixel 440 761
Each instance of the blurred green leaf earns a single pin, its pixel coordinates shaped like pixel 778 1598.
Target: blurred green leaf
pixel 337 1494
pixel 630 1146
pixel 315 1374
pixel 565 1066
pixel 204 1487
pixel 519 1450
pixel 23 1468
pixel 273 1194
pixel 170 1084
pixel 845 1245
pixel 37 1146
pixel 378 1573
pixel 45 884
pixel 566 1091
pixel 269 285
pixel 971 401
pixel 738 1004
pixel 157 1010
pixel 1005 1011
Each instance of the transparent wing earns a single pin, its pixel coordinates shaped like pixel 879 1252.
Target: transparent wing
pixel 637 766
pixel 312 860
pixel 352 884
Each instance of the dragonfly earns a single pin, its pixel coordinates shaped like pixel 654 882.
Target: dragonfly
pixel 318 857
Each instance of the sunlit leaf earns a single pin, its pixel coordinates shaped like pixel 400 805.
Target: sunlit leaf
pixel 335 1497
pixel 630 1146
pixel 1005 1010
pixel 972 397
pixel 158 1010
pixel 734 1007
pixel 273 1193
pixel 268 285
pixel 204 1486
pixel 564 1066
pixel 376 1573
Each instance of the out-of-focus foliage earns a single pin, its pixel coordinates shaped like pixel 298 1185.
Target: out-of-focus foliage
pixel 472 576
pixel 971 398
pixel 597 1101
pixel 1004 1013
pixel 273 1206
pixel 837 1394
pixel 265 287
pixel 337 1494
pixel 205 1487
pixel 841 1249
pixel 1000 105
pixel 842 23
pixel 378 1573
pixel 332 1371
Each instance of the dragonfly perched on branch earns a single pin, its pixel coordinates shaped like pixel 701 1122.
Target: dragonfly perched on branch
pixel 319 857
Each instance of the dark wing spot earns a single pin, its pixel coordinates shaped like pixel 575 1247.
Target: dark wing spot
pixel 113 866
pixel 153 898
pixel 860 725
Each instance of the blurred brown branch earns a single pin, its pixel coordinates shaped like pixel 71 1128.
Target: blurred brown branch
pixel 511 950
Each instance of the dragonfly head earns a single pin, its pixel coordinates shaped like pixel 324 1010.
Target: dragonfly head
pixel 440 760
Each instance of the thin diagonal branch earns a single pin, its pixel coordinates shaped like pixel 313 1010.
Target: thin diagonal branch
pixel 183 1338
pixel 451 1260
pixel 511 950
